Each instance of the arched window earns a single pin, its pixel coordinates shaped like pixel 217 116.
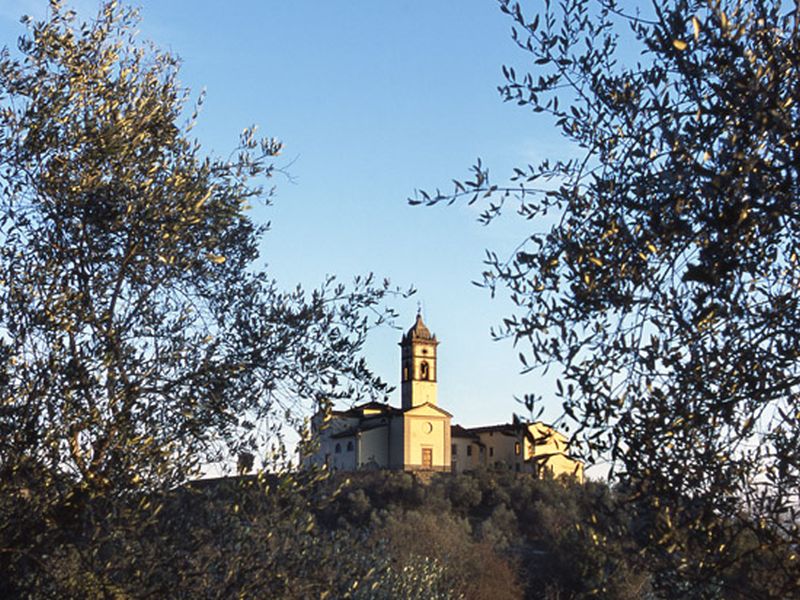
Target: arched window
pixel 338 448
pixel 405 373
pixel 423 370
pixel 350 446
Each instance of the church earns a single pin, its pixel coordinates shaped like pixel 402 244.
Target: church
pixel 420 435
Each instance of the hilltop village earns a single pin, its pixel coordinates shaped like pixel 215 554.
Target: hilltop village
pixel 420 435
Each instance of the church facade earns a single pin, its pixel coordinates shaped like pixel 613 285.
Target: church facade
pixel 420 435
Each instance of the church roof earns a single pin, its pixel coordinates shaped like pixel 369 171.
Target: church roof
pixel 460 432
pixel 365 409
pixel 516 427
pixel 419 331
pixel 509 428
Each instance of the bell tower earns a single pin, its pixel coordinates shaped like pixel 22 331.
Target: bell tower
pixel 418 370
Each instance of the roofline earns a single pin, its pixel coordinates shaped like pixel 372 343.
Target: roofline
pixel 488 428
pixel 512 426
pixel 439 408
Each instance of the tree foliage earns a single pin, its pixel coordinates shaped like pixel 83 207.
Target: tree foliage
pixel 497 534
pixel 137 337
pixel 662 271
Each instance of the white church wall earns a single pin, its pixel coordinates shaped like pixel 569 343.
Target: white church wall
pixel 374 448
pixel 396 443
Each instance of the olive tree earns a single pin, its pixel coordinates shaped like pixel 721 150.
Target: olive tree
pixel 661 274
pixel 137 337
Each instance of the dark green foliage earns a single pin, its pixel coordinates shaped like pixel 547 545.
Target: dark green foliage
pixel 250 537
pixel 137 339
pixel 662 268
pixel 498 534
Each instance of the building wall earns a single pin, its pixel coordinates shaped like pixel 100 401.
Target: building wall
pixel 326 451
pixel 556 465
pixel 426 427
pixel 373 448
pixel 503 448
pixel 549 452
pixel 420 392
pixel 399 443
pixel 333 424
pixel 396 442
pixel 342 454
pixel 466 454
pixel 547 440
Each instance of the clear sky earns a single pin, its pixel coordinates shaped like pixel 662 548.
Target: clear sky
pixel 372 100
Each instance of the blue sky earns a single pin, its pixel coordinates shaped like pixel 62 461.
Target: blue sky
pixel 372 100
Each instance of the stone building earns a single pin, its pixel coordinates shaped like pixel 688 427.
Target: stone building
pixel 523 447
pixel 419 436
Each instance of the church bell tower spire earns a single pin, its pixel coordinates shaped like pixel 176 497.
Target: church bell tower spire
pixel 418 366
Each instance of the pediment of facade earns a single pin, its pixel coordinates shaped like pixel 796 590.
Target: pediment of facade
pixel 427 410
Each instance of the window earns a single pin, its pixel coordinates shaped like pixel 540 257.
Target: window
pixel 469 450
pixel 516 448
pixel 338 448
pixel 454 449
pixel 405 373
pixel 350 446
pixel 491 451
pixel 424 373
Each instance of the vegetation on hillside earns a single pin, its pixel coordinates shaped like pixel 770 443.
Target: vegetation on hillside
pixel 138 339
pixel 661 271
pixel 490 535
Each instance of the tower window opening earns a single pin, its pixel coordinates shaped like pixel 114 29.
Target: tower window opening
pixel 424 372
pixel 405 373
